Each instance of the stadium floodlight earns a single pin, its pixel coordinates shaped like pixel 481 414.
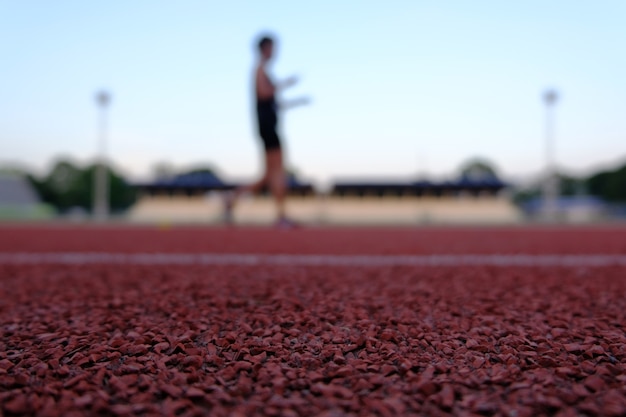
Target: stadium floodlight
pixel 550 185
pixel 101 178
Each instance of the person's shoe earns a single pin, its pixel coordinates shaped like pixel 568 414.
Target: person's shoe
pixel 285 223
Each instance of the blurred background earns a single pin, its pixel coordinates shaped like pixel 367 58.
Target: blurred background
pixel 421 112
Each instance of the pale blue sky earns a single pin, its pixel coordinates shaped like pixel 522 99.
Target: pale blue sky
pixel 398 88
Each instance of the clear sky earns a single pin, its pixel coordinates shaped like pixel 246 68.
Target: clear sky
pixel 398 88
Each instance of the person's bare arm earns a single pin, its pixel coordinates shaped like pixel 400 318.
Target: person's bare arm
pixel 297 102
pixel 287 83
pixel 264 88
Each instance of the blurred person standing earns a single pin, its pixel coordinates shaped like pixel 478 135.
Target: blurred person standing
pixel 267 109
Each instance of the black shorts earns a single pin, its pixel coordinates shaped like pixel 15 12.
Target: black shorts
pixel 267 122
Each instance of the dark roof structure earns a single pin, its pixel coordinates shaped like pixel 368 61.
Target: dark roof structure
pixel 194 183
pixel 194 180
pixel 419 188
pixel 200 182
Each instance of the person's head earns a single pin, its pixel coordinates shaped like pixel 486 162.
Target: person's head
pixel 266 47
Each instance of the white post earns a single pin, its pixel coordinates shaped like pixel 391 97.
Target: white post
pixel 550 186
pixel 101 177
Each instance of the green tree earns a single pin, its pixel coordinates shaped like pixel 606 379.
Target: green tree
pixel 68 186
pixel 570 186
pixel 609 185
pixel 478 169
pixel 201 169
pixel 58 188
pixel 121 194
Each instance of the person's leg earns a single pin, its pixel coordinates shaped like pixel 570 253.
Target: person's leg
pixel 231 197
pixel 276 179
pixel 252 188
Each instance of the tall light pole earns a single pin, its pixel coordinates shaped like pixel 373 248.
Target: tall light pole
pixel 550 186
pixel 101 177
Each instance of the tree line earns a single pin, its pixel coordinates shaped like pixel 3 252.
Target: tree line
pixel 608 185
pixel 68 186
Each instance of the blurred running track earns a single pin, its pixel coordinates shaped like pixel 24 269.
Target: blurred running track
pixel 191 321
pixel 338 241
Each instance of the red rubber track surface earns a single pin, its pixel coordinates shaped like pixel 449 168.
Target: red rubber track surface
pixel 535 240
pixel 293 340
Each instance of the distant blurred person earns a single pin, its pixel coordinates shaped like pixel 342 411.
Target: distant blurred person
pixel 267 121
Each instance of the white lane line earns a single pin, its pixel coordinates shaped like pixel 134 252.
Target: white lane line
pixel 81 258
